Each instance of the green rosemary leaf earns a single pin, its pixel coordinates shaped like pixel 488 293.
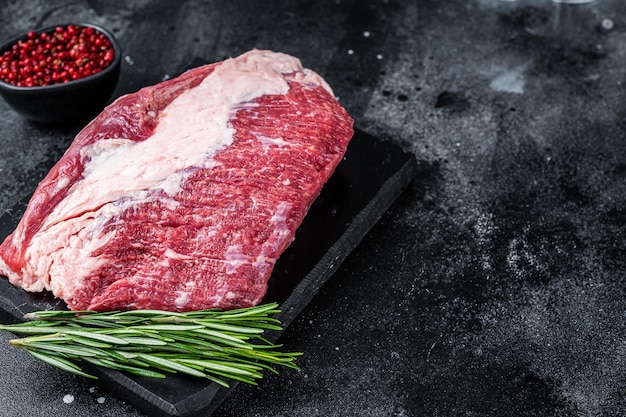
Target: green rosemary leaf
pixel 60 363
pixel 97 336
pixel 240 378
pixel 147 313
pixel 72 351
pixel 230 328
pixel 54 314
pixel 89 342
pixel 147 341
pixel 199 345
pixel 26 329
pixel 141 370
pixel 171 365
pixel 218 381
pixel 52 338
pixel 85 321
pixel 223 338
pixel 225 367
pixel 212 344
pixel 168 327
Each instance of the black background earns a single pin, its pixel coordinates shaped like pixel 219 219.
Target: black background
pixel 495 285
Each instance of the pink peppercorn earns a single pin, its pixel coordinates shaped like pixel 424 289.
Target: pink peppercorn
pixel 69 53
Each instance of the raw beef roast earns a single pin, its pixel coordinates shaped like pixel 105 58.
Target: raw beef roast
pixel 183 195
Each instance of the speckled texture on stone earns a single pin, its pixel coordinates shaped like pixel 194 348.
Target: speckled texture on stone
pixel 495 285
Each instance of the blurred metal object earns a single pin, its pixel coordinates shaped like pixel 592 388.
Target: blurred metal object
pixel 570 21
pixel 573 1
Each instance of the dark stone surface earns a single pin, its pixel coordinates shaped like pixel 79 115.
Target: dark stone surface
pixel 495 285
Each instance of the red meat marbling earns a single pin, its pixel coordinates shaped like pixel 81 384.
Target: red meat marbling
pixel 183 195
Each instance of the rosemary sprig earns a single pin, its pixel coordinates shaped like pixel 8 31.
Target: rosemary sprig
pixel 213 344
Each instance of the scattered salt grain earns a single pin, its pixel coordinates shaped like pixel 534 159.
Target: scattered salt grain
pixel 350 52
pixel 128 60
pixel 92 389
pixel 379 57
pixel 68 399
pixel 101 400
pixel 366 34
pixel 607 24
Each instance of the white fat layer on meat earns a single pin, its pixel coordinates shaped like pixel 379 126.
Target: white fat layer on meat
pixel 120 172
pixel 183 296
pixel 279 221
pixel 61 183
pixel 268 143
pixel 181 299
pixel 234 258
pixel 61 256
pixel 280 217
pixel 171 254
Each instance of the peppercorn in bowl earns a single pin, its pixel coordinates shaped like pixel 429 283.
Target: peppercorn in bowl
pixel 61 74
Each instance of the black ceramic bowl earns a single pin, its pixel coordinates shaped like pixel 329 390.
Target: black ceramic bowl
pixel 69 102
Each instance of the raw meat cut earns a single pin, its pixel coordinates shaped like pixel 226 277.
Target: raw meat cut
pixel 183 195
